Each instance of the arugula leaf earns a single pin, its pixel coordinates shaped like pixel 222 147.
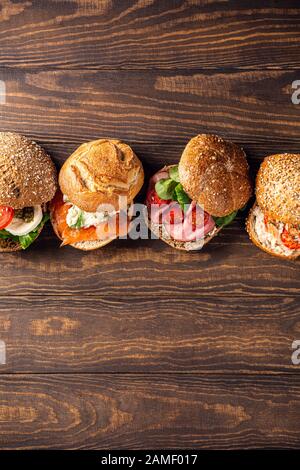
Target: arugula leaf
pixel 174 174
pixel 222 221
pixel 165 188
pixel 25 240
pixel 181 197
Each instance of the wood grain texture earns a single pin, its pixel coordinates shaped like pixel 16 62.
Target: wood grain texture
pixel 178 411
pixel 147 34
pixel 229 265
pixel 202 334
pixel 138 345
pixel 152 106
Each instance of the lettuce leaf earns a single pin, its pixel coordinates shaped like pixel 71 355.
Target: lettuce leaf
pixel 222 221
pixel 25 240
pixel 181 197
pixel 174 174
pixel 165 188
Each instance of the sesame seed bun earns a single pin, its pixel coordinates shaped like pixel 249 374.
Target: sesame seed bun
pixel 27 174
pixel 99 172
pixel 250 227
pixel 278 187
pixel 215 174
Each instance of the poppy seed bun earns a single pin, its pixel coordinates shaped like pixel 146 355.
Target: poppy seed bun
pixel 27 174
pixel 278 187
pixel 250 227
pixel 215 174
pixel 99 172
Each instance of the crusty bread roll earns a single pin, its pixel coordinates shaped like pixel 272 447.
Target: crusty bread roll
pixel 215 174
pixel 99 172
pixel 278 187
pixel 27 174
pixel 250 227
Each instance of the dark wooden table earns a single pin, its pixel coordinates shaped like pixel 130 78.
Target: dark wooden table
pixel 138 345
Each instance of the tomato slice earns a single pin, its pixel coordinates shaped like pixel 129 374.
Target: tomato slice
pixel 153 198
pixel 176 216
pixel 291 238
pixel 6 216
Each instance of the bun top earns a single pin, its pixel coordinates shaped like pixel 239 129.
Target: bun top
pixel 215 174
pixel 27 174
pixel 278 187
pixel 99 172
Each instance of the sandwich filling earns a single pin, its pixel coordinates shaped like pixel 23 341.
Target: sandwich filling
pixel 74 225
pixel 280 238
pixel 21 225
pixel 179 218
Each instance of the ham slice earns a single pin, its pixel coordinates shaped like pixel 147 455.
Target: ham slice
pixel 179 226
pixel 185 231
pixel 161 175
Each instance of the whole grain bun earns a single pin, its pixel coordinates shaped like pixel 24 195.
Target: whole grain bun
pixel 99 172
pixel 278 187
pixel 254 238
pixel 215 173
pixel 8 245
pixel 27 174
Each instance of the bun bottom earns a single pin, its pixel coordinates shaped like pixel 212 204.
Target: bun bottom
pixel 9 246
pixel 94 245
pixel 158 231
pixel 255 239
pixel 84 246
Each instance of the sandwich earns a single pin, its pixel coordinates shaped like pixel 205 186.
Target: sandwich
pixel 98 184
pixel 28 181
pixel 274 221
pixel 188 204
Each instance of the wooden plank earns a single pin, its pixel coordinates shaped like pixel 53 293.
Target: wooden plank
pixel 229 265
pixel 147 34
pixel 206 334
pixel 142 412
pixel 157 106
